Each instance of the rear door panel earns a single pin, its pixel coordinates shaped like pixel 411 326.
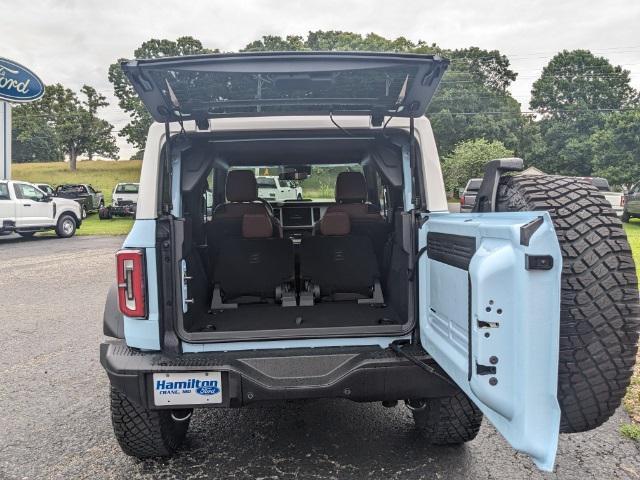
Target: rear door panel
pixel 492 324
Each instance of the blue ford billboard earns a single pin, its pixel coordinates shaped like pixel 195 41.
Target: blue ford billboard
pixel 18 83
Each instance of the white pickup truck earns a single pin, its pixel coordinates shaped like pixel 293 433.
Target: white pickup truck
pixel 273 189
pixel 25 210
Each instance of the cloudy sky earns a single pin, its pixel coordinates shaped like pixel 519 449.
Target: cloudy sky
pixel 74 41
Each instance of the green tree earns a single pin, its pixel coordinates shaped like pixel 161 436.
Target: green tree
pixel 574 81
pixel 616 148
pixel 136 130
pixel 574 96
pixel 99 132
pixel 33 138
pixel 468 160
pixel 69 126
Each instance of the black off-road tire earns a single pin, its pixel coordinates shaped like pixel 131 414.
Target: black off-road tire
pixel 105 213
pixel 144 433
pixel 625 217
pixel 599 311
pixel 448 420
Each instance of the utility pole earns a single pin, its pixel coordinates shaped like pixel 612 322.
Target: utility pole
pixel 5 140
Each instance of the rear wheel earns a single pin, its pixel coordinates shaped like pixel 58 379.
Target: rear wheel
pixel 145 433
pixel 448 420
pixel 625 217
pixel 599 315
pixel 66 226
pixel 84 212
pixel 104 213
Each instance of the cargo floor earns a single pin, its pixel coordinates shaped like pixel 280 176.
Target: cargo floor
pixel 275 317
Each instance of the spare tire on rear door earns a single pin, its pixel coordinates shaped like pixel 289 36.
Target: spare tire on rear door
pixel 599 311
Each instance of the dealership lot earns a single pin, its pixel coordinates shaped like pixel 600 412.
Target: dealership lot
pixel 55 415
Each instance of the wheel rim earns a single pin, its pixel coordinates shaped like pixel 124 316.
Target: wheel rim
pixel 84 212
pixel 67 227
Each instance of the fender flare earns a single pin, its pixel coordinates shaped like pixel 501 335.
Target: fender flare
pixel 112 318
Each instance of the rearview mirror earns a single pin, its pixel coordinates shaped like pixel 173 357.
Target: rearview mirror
pixel 299 172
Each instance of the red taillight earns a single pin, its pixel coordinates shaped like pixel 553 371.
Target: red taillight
pixel 462 200
pixel 622 201
pixel 131 283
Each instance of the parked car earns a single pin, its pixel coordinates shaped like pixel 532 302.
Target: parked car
pixel 46 188
pixel 274 189
pixel 25 210
pixel 381 295
pixel 615 199
pixel 124 201
pixel 468 196
pixel 89 198
pixel 631 202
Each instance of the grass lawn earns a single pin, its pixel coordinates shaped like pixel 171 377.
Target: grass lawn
pixel 92 225
pixel 632 400
pixel 102 175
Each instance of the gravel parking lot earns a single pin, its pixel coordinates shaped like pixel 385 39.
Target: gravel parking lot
pixel 54 420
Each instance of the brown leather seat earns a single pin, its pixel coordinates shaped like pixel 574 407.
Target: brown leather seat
pixel 242 199
pixel 256 267
pixel 339 263
pixel 365 218
pixel 351 198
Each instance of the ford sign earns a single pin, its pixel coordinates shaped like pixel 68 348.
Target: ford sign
pixel 18 84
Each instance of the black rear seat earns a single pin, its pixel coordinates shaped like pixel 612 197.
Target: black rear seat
pixel 254 268
pixel 338 265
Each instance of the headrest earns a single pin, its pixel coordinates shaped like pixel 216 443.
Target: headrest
pixel 241 186
pixel 351 187
pixel 335 224
pixel 256 225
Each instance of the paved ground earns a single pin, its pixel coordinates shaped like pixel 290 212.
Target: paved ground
pixel 54 415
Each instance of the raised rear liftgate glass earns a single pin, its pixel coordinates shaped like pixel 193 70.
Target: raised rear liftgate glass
pixel 206 86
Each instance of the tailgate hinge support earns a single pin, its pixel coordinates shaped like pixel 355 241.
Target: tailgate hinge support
pixel 488 191
pixel 397 345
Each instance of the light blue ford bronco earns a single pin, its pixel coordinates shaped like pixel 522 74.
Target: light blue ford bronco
pixel 524 311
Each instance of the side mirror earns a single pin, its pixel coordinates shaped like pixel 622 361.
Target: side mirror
pixel 46 198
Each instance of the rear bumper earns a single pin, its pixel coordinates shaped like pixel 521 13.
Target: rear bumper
pixel 123 210
pixel 358 373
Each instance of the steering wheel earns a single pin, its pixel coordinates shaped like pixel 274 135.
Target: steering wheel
pixel 268 205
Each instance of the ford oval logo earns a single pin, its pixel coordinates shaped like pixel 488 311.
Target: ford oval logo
pixel 18 83
pixel 209 390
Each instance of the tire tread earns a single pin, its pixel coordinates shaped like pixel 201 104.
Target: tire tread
pixel 599 299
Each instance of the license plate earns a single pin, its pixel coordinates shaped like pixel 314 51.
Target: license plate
pixel 187 388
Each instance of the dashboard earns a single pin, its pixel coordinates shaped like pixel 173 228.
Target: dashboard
pixel 299 216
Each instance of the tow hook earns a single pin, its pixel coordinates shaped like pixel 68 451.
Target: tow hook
pixel 416 405
pixel 181 415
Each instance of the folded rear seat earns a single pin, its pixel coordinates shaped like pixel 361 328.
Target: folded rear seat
pixel 338 265
pixel 255 268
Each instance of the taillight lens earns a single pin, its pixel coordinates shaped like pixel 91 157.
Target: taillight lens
pixel 462 200
pixel 622 201
pixel 131 283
